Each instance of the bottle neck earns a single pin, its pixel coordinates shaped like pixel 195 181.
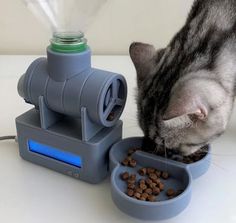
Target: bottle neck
pixel 66 42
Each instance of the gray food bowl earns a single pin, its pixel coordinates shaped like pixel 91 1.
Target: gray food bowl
pixel 181 176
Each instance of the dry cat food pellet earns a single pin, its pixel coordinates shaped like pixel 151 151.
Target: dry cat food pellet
pixel 143 186
pixel 132 163
pixel 152 185
pixel 130 192
pixel 158 173
pixel 170 192
pixel 129 162
pixel 156 191
pixel 142 171
pixel 145 195
pixel 148 187
pixel 150 170
pixel 139 190
pixel 153 176
pixel 142 181
pixel 131 186
pixel 131 181
pixel 132 177
pixel 148 181
pixel 148 191
pixel 125 162
pixel 175 154
pixel 151 198
pixel 165 175
pixel 142 198
pixel 161 186
pixel 137 195
pixel 125 176
pixel 156 181
pixel 129 158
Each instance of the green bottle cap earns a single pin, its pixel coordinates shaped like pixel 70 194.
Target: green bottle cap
pixel 68 42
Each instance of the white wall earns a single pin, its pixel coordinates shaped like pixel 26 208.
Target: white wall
pixel 118 24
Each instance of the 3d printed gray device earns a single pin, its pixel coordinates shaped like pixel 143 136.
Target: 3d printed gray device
pixel 75 120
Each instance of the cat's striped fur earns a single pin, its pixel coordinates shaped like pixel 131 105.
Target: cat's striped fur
pixel 186 91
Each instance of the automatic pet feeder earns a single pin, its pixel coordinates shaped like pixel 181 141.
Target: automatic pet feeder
pixel 77 108
pixel 75 120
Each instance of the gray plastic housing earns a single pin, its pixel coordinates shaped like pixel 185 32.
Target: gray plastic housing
pixel 76 115
pixel 67 83
pixel 181 176
pixel 66 136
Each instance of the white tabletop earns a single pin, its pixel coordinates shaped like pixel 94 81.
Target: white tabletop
pixel 33 194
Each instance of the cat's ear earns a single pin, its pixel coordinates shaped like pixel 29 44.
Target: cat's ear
pixel 185 109
pixel 143 57
pixel 177 109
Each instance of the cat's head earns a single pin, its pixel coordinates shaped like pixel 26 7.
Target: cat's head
pixel 197 108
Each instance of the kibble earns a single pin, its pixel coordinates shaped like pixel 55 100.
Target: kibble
pixel 143 186
pixel 145 195
pixel 161 186
pixel 125 162
pixel 148 181
pixel 148 191
pixel 150 170
pixel 142 171
pixel 132 163
pixel 129 181
pixel 142 181
pixel 156 191
pixel 150 186
pixel 151 198
pixel 130 192
pixel 142 198
pixel 153 176
pixel 129 158
pixel 156 181
pixel 137 195
pixel 175 154
pixel 158 173
pixel 139 190
pixel 132 177
pixel 131 186
pixel 170 192
pixel 165 175
pixel 125 176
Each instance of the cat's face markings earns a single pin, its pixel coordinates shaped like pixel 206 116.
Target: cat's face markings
pixel 197 113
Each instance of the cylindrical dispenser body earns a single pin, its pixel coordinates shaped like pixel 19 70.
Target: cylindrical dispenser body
pixel 67 82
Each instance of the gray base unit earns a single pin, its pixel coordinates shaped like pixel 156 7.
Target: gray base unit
pixel 61 148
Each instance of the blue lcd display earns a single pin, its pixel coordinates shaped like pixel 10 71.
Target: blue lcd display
pixel 55 153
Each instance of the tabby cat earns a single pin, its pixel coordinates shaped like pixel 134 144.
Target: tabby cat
pixel 186 91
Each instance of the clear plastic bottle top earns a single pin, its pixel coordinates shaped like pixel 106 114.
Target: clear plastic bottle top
pixel 67 19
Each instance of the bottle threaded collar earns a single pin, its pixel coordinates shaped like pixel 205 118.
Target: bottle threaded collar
pixel 63 42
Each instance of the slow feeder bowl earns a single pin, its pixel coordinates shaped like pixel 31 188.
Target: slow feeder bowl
pixel 181 176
